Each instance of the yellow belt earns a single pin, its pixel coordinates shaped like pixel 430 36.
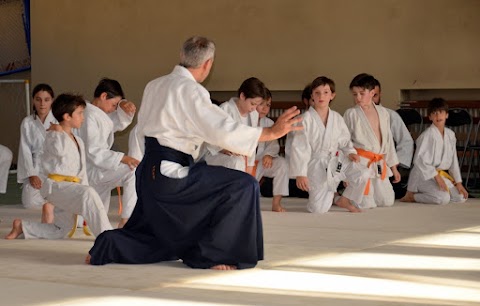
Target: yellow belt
pixel 444 174
pixel 63 178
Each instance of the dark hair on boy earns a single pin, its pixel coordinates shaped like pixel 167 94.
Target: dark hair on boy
pixel 307 92
pixel 66 104
pixel 365 81
pixel 322 81
pixel 437 104
pixel 377 83
pixel 111 87
pixel 253 88
pixel 38 88
pixel 268 94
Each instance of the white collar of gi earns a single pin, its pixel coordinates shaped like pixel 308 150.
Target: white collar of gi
pixel 180 70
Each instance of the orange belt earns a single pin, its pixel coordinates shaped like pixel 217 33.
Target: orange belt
pixel 372 157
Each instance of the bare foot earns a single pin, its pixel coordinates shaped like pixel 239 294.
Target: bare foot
pixel 408 197
pixel 345 203
pixel 278 208
pixel 87 259
pixel 16 229
pixel 122 222
pixel 223 267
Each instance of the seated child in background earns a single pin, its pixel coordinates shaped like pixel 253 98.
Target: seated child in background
pixel 32 137
pixel 65 183
pixel 369 125
pixel 242 109
pixel 5 162
pixel 436 154
pixel 269 163
pixel 314 150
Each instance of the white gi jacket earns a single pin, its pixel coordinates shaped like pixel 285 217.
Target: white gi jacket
pixel 363 136
pixel 32 137
pixel 433 153
pixel 98 134
pixel 185 117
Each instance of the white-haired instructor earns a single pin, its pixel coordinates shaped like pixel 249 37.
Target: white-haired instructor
pixel 207 216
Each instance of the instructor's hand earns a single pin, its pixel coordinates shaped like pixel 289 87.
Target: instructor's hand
pixel 286 123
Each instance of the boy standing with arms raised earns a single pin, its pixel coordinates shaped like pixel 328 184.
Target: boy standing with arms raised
pixel 369 125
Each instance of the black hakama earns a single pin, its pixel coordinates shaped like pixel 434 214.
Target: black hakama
pixel 208 218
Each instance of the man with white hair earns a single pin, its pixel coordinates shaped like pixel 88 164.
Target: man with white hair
pixel 207 216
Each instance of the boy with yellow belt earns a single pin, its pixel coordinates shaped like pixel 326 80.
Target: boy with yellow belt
pixel 65 181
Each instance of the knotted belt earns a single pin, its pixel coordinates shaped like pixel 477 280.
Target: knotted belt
pixel 63 178
pixel 72 179
pixel 373 158
pixel 445 174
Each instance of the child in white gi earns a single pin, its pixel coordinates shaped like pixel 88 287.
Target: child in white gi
pixel 65 183
pixel 435 177
pixel 314 159
pixel 5 162
pixel 369 125
pixel 268 161
pixel 32 137
pixel 108 113
pixel 242 109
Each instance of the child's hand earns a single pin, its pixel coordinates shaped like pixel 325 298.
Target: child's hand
pixel 441 183
pixel 131 162
pixel 354 157
pixel 128 107
pixel 267 161
pixel 35 181
pixel 396 175
pixel 55 127
pixel 462 190
pixel 302 183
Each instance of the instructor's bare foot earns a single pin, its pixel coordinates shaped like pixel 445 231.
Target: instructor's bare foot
pixel 16 229
pixel 408 197
pixel 345 203
pixel 87 259
pixel 224 267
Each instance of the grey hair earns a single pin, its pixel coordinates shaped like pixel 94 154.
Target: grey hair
pixel 195 51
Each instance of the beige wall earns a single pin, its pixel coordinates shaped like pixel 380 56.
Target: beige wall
pixel 286 43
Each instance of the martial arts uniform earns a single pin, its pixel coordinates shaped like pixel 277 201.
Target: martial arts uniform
pixel 65 185
pixel 136 147
pixel 315 154
pixel 32 137
pixel 104 167
pixel 377 157
pixel 404 148
pixel 279 169
pixel 204 215
pixel 5 162
pixel 215 158
pixel 435 153
pixel 402 138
